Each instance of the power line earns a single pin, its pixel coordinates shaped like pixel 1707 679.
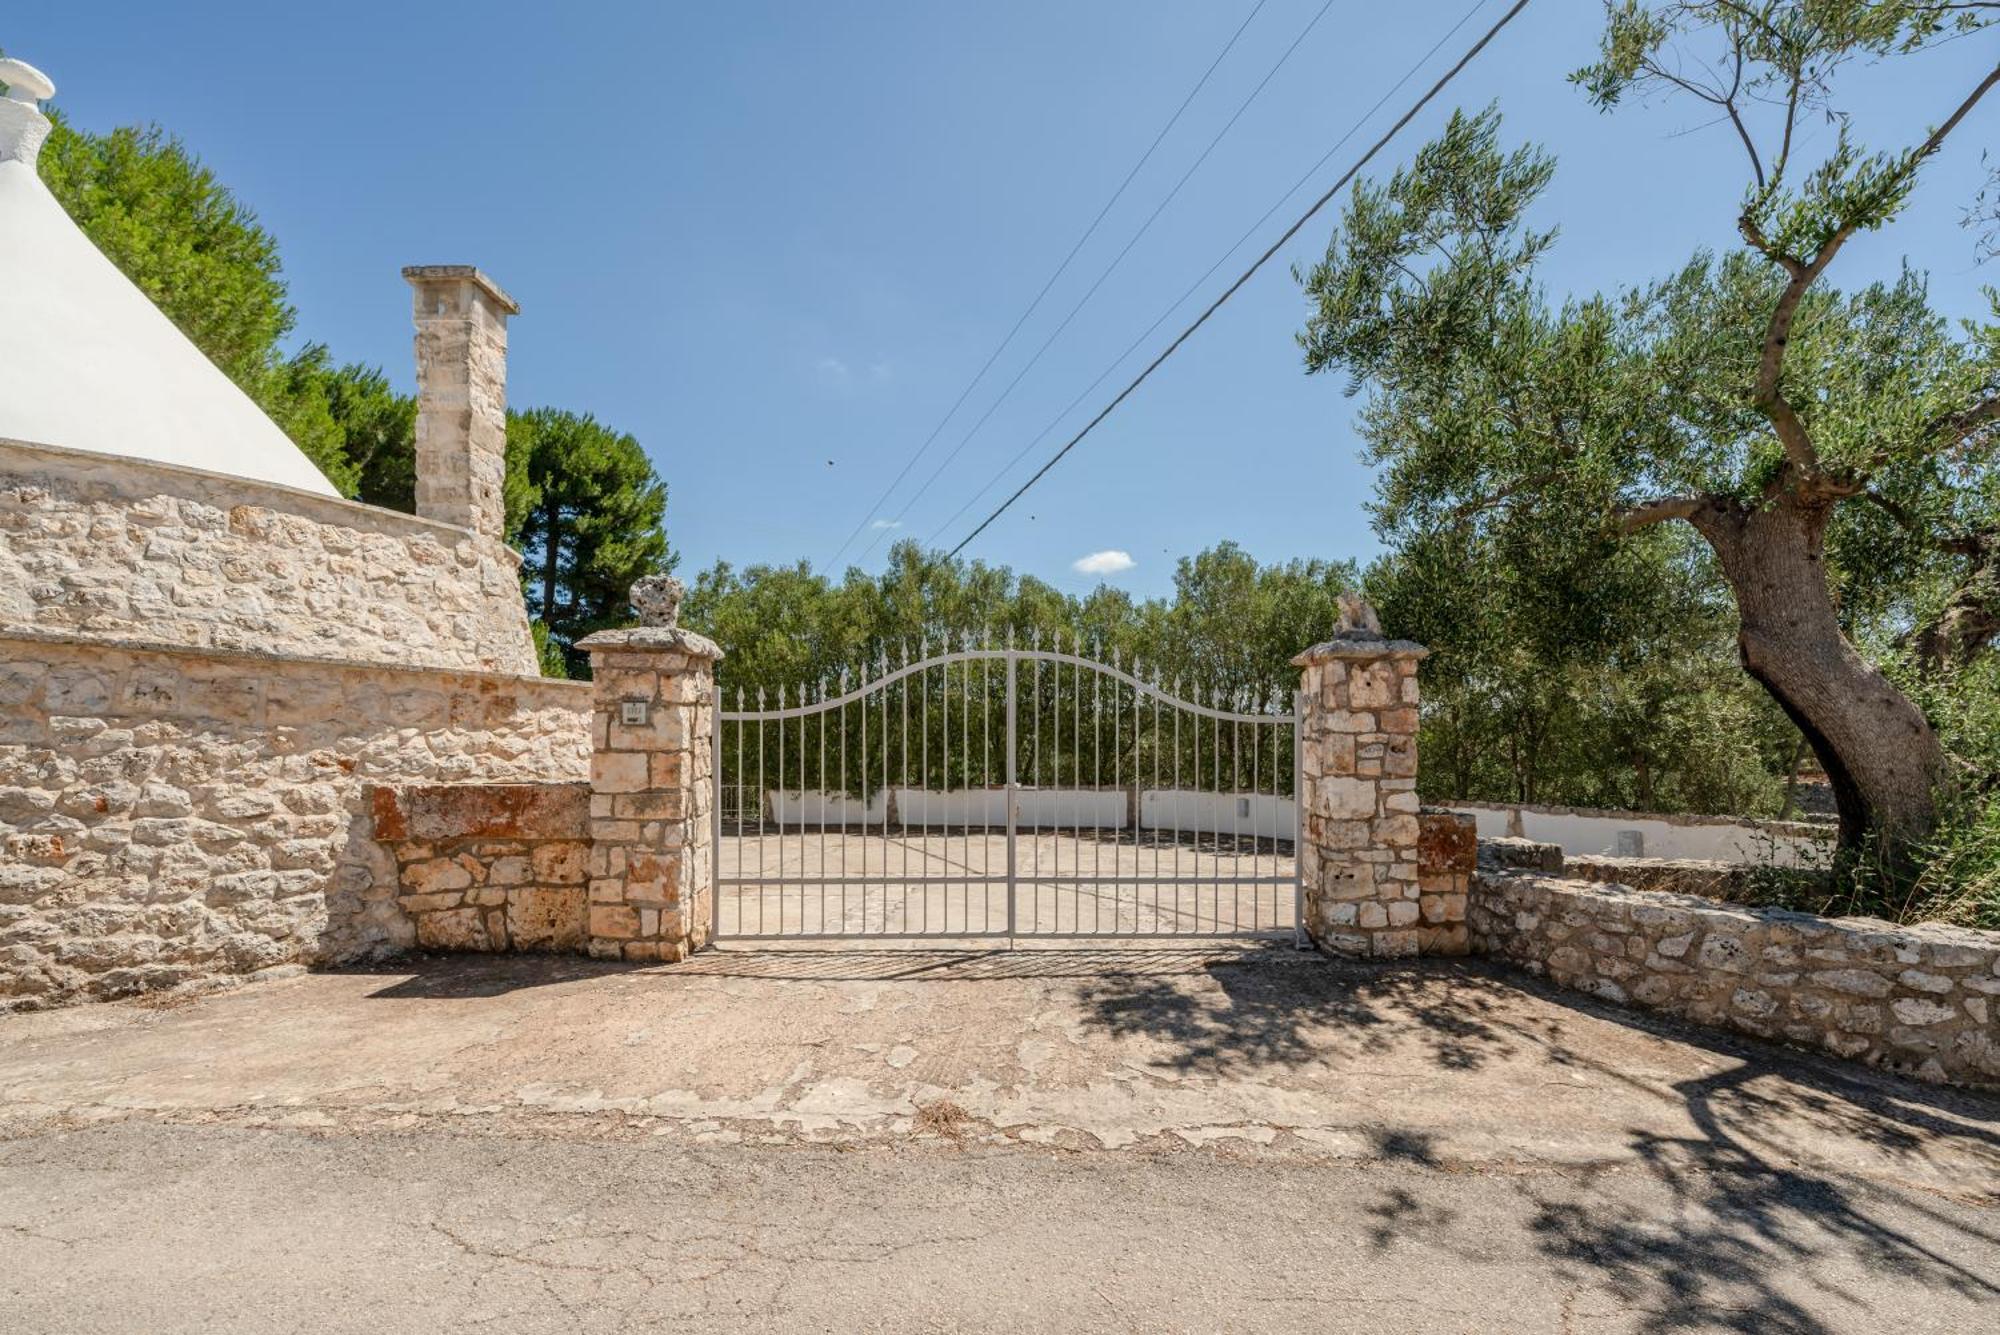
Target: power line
pixel 1117 260
pixel 1060 269
pixel 1259 263
pixel 1208 273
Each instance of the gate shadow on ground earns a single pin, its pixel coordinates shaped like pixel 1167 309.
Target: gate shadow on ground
pixel 931 965
pixel 452 977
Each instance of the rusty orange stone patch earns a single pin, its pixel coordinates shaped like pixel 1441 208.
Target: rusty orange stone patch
pixel 1446 842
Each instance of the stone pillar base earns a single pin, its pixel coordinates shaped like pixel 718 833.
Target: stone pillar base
pixel 1358 830
pixel 652 782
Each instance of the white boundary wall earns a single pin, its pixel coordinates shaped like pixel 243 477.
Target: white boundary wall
pixel 1264 817
pixel 1714 839
pixel 1075 808
pixel 1576 831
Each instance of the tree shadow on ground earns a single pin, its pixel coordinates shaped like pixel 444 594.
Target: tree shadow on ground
pixel 1737 1221
pixel 1253 1016
pixel 1732 1225
pixel 1744 1214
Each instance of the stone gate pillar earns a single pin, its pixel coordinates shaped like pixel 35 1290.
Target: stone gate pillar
pixel 652 783
pixel 1358 832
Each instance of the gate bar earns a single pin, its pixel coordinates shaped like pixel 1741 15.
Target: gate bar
pixel 1013 792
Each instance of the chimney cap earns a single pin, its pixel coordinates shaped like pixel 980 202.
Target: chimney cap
pixel 24 82
pixel 437 273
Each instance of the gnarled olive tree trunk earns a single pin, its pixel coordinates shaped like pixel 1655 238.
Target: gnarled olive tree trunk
pixel 1880 753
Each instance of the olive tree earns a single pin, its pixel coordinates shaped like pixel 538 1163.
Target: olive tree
pixel 1739 395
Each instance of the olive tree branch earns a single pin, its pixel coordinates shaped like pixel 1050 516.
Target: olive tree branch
pixel 1658 511
pixel 1769 394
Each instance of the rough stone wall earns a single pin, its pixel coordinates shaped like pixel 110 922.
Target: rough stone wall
pixel 489 867
pixel 1921 999
pixel 1736 882
pixel 1358 812
pixel 123 550
pixel 168 816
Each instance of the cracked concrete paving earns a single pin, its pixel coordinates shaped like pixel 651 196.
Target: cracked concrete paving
pixel 924 1140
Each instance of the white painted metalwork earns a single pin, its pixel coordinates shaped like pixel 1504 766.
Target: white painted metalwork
pixel 996 792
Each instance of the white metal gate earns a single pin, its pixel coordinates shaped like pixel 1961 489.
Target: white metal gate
pixel 1005 793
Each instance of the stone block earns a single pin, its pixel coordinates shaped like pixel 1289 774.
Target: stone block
pixel 565 863
pixel 613 921
pixel 1441 909
pixel 1916 1011
pixel 480 811
pixel 1376 685
pixel 618 771
pixel 1853 982
pixel 456 929
pixel 436 875
pixel 668 770
pixel 1342 798
pixel 512 870
pixel 547 918
pixel 651 805
pixel 1395 944
pixel 1344 881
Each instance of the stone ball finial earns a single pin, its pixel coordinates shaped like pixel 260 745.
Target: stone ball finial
pixel 24 82
pixel 657 600
pixel 1357 619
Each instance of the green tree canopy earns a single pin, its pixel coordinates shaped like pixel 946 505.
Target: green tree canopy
pixel 201 256
pixel 588 514
pixel 1738 394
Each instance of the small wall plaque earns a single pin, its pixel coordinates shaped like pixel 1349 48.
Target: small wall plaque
pixel 632 713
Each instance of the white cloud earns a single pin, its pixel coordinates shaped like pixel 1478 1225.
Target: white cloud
pixel 833 371
pixel 886 523
pixel 1108 562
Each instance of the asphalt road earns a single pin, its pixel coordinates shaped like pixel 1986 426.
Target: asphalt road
pixel 142 1226
pixel 917 1141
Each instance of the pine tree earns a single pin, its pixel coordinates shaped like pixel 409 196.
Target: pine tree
pixel 591 520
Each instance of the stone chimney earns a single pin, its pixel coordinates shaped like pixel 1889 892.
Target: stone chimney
pixel 461 317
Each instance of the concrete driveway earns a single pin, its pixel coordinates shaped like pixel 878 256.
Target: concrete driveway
pixel 920 1140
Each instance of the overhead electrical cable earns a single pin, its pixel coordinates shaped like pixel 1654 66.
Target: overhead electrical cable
pixel 1247 274
pixel 1208 273
pixel 1060 269
pixel 1112 267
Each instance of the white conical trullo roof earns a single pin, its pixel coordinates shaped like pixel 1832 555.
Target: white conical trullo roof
pixel 86 361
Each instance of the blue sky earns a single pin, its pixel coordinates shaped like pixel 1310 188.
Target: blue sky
pixel 774 241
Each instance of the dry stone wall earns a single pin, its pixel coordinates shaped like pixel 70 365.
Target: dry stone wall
pixel 489 867
pixel 1923 1000
pixel 1736 882
pixel 169 816
pixel 134 552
